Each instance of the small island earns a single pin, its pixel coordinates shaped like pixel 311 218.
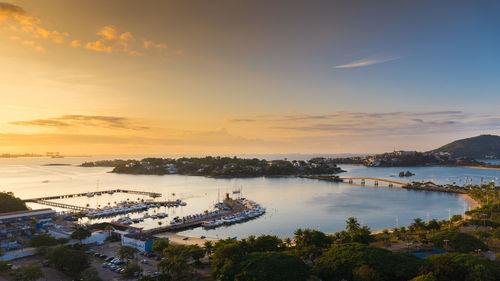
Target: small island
pixel 220 167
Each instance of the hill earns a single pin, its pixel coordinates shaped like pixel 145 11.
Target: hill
pixel 480 147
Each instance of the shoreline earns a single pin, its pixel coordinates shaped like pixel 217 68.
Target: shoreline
pixel 179 239
pixel 481 167
pixel 472 202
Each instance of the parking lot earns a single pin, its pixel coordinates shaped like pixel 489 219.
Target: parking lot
pixel 110 250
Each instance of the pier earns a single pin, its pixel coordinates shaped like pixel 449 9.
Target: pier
pixel 111 191
pixel 61 205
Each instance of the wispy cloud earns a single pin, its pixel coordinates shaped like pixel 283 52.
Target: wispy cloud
pixel 377 123
pixel 66 121
pixel 366 62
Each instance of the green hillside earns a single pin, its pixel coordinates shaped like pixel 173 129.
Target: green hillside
pixel 479 147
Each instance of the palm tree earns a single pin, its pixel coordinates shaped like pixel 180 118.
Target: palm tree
pixel 109 229
pixel 352 224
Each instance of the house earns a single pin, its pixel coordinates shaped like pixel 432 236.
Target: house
pixel 141 241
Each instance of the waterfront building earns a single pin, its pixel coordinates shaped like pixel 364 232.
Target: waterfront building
pixel 141 241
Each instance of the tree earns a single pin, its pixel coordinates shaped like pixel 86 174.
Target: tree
pixel 68 259
pixel 90 274
pixel 160 245
pixel 196 252
pixel 352 224
pixel 11 203
pixel 346 261
pixel 458 241
pixel 31 273
pixel 209 247
pixel 131 269
pixel 175 263
pixel 42 239
pixel 127 252
pixel 426 277
pixel 272 266
pixel 110 230
pixel 80 234
pixel 463 267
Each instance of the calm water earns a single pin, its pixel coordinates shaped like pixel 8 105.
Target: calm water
pixel 291 202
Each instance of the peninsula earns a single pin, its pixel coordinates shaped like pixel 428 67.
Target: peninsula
pixel 221 167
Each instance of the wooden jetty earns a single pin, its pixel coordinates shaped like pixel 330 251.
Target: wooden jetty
pixel 61 205
pixel 111 191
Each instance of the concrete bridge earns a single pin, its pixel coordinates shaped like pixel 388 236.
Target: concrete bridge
pixel 376 181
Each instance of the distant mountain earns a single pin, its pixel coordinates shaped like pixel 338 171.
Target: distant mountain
pixel 480 147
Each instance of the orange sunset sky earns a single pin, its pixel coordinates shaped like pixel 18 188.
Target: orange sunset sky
pixel 244 77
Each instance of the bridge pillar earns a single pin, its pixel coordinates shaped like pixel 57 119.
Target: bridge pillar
pixel 376 183
pixel 350 181
pixel 362 182
pixel 390 185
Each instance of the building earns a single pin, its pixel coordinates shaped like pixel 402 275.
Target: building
pixel 141 241
pixel 24 222
pixel 97 236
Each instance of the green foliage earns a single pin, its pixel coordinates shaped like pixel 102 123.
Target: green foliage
pixel 496 233
pixel 475 147
pixel 223 167
pixel 90 274
pixel 458 242
pixel 127 252
pixel 68 259
pixel 29 273
pixel 354 233
pixel 42 239
pixel 425 277
pixel 463 267
pixel 209 247
pixel 160 245
pixel 4 266
pixel 131 269
pixel 196 252
pixel 10 203
pixel 81 233
pixel 309 244
pixel 175 264
pixel 272 266
pixel 355 260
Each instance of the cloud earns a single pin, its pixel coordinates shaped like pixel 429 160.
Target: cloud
pixel 239 120
pixel 99 46
pixel 26 23
pixel 366 62
pixel 28 43
pixel 111 40
pixel 76 43
pixel 108 33
pixel 12 12
pixel 66 121
pixel 147 44
pixel 377 123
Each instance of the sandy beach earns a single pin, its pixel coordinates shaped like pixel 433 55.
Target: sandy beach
pixel 179 239
pixel 473 203
pixel 484 168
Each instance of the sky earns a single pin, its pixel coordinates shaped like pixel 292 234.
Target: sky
pixel 121 77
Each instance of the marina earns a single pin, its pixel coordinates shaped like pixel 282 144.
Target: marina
pixel 323 205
